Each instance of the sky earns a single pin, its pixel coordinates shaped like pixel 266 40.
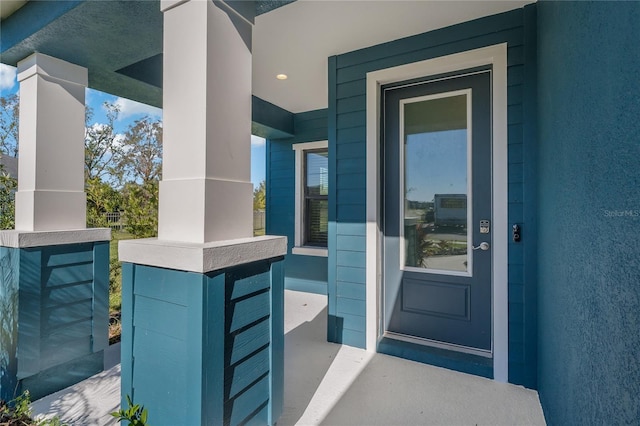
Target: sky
pixel 129 112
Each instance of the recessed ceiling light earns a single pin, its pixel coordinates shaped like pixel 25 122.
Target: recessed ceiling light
pixel 282 76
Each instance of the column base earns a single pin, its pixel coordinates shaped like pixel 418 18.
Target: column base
pixel 54 304
pixel 208 344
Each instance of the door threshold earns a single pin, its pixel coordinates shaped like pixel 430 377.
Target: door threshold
pixel 436 344
pixel 452 360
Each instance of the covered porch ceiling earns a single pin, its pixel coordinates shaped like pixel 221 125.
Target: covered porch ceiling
pixel 120 42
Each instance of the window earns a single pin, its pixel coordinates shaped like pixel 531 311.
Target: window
pixel 312 198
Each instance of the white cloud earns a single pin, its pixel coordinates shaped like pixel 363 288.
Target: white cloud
pixel 129 108
pixel 257 141
pixel 7 77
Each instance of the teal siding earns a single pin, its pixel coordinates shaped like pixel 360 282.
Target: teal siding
pixel 347 139
pixel 302 273
pixel 57 320
pixel 589 212
pixel 204 348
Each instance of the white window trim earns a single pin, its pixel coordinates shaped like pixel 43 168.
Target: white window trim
pixel 492 55
pixel 298 247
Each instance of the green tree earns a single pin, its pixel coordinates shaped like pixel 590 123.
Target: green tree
pixel 103 149
pixel 259 196
pixel 8 186
pixel 140 213
pixel 9 112
pixel 141 168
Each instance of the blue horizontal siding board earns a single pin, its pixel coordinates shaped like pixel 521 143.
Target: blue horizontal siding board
pixel 351 306
pixel 515 153
pixel 239 377
pixel 514 95
pixel 249 341
pixel 516 252
pixel 516 312
pixel 516 333
pixel 352 196
pixel 516 293
pixel 349 242
pixel 351 119
pixel 77 253
pixel 82 272
pixel 354 338
pixel 250 285
pixel 515 134
pixel 352 135
pixel 276 377
pixel 515 55
pixel 351 274
pixel 353 229
pixel 499 22
pixel 515 74
pixel 352 88
pixel 516 273
pixel 100 309
pixel 351 150
pixel 515 193
pixel 351 290
pixel 67 293
pixel 56 353
pixel 515 212
pixel 352 73
pixel 351 258
pixel 250 310
pixel 353 322
pixel 352 181
pixel 146 310
pixel 159 283
pixel 247 403
pixel 351 165
pixel 354 103
pixel 66 332
pixel 514 114
pixel 351 213
pixel 516 173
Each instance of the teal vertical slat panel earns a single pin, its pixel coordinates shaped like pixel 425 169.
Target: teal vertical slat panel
pixel 126 345
pixel 276 403
pixel 213 390
pixel 333 324
pixel 29 318
pixel 9 278
pixel 100 328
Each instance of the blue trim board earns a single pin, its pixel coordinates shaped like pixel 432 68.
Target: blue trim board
pixel 57 305
pixel 208 348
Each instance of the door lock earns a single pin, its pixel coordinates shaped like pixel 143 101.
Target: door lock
pixel 484 246
pixel 516 233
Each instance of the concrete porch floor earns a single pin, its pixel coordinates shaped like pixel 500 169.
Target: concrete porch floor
pixel 330 384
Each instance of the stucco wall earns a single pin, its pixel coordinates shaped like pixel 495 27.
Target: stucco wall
pixel 589 212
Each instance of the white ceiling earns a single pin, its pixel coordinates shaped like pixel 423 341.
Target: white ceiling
pixel 298 38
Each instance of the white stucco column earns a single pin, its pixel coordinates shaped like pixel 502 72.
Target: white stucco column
pixel 51 163
pixel 206 190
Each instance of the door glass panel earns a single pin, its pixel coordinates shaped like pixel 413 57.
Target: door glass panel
pixel 436 134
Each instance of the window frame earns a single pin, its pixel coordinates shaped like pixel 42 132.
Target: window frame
pixel 300 232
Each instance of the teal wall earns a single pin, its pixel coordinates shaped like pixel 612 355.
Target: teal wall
pixel 347 151
pixel 204 349
pixel 589 212
pixel 302 273
pixel 55 315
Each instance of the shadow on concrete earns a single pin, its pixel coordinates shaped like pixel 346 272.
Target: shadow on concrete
pixel 308 357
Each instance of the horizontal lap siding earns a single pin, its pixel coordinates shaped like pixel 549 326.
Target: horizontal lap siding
pixel 347 133
pixel 305 273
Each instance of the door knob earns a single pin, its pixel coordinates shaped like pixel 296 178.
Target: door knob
pixel 483 246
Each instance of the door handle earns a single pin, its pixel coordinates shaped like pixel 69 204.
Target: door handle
pixel 483 246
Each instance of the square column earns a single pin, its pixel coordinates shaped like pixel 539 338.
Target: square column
pixel 54 273
pixel 206 190
pixel 51 163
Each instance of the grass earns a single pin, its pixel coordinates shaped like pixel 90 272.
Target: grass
pixel 115 286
